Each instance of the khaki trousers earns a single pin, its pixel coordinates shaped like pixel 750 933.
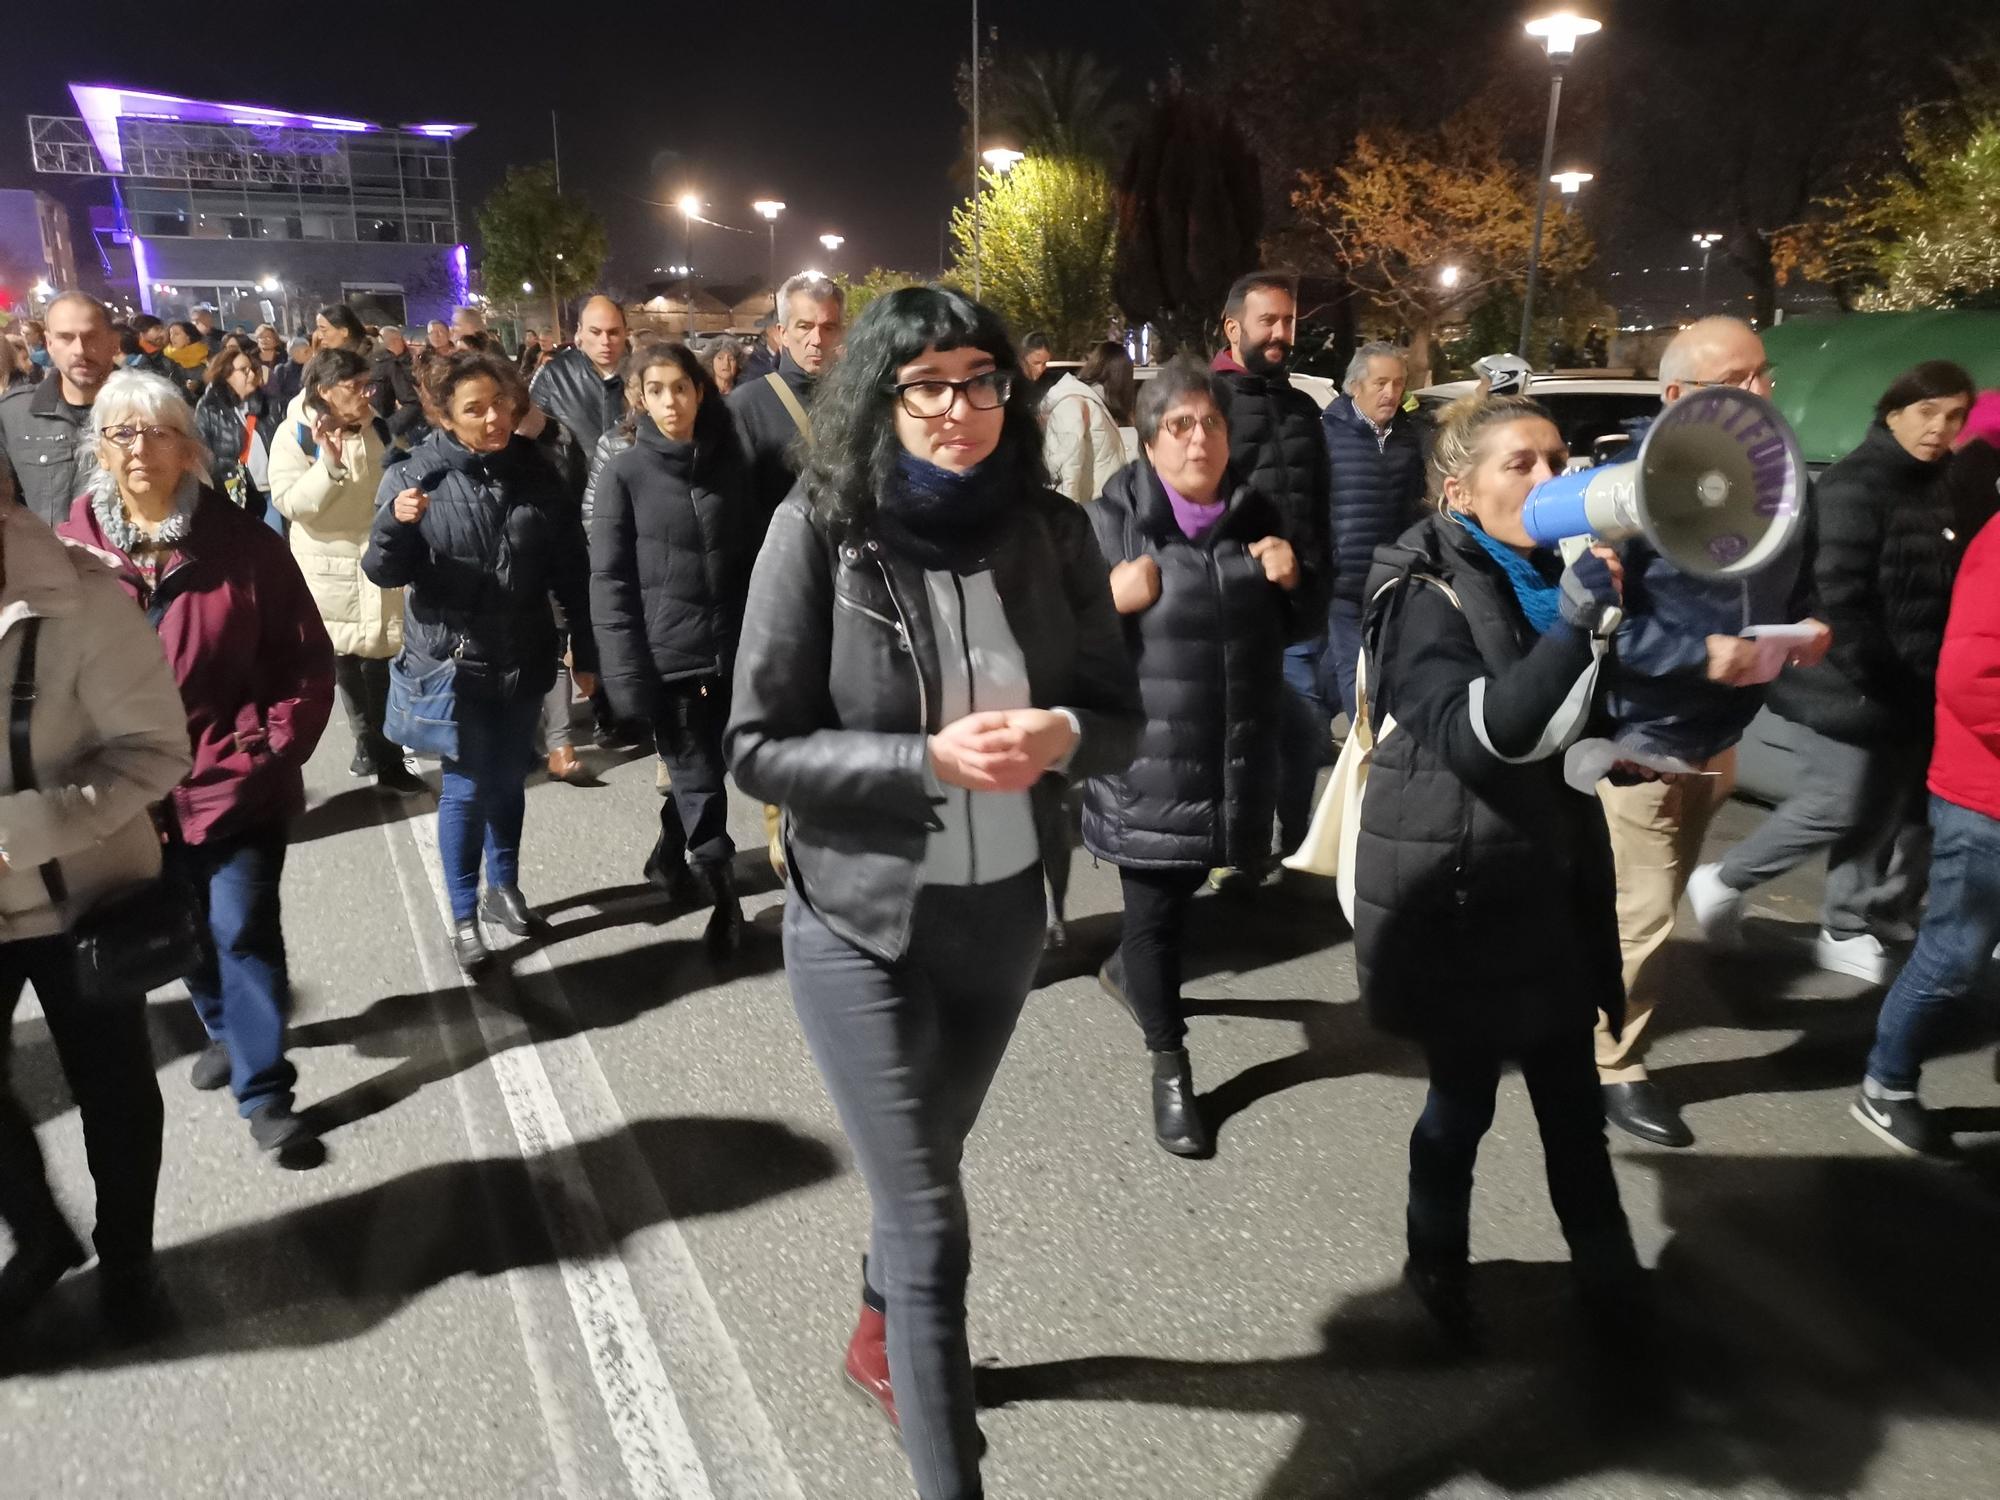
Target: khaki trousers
pixel 1657 829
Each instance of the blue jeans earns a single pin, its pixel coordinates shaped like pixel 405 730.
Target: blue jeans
pixel 1954 944
pixel 484 795
pixel 1343 648
pixel 242 989
pixel 1305 741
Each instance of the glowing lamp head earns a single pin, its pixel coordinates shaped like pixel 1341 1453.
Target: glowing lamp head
pixel 1002 158
pixel 1559 32
pixel 1570 182
pixel 770 208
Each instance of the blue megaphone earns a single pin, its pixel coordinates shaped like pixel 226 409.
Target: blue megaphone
pixel 1718 488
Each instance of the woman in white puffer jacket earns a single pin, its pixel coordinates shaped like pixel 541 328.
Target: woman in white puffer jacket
pixel 326 465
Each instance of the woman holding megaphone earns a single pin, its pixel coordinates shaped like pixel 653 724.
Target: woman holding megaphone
pixel 1484 913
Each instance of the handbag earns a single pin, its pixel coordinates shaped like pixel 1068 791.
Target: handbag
pixel 135 939
pixel 422 712
pixel 1330 843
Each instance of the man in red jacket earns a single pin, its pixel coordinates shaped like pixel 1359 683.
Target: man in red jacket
pixel 1962 922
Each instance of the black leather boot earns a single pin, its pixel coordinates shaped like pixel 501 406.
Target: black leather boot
pixel 1177 1122
pixel 667 871
pixel 506 908
pixel 724 933
pixel 468 946
pixel 1445 1290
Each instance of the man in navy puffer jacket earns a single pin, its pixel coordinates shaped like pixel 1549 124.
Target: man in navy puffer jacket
pixel 1378 490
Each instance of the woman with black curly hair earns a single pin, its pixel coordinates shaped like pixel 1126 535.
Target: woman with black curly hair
pixel 930 651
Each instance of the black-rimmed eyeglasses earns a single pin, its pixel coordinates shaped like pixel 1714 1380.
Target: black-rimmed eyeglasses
pixel 933 398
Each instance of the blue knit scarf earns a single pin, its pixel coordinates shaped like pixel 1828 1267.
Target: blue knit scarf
pixel 1540 600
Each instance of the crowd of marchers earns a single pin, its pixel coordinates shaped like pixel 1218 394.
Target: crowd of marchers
pixel 944 606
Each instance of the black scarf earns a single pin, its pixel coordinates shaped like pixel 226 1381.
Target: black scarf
pixel 946 521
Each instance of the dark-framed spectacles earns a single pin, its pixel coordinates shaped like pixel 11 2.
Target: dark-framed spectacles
pixel 128 437
pixel 933 398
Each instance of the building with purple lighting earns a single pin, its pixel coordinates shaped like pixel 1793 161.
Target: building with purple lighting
pixel 262 214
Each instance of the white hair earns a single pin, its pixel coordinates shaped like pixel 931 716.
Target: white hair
pixel 1357 367
pixel 816 287
pixel 144 399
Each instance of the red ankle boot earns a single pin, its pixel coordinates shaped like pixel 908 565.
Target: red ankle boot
pixel 867 1363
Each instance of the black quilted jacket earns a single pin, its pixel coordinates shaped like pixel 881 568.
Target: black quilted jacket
pixel 671 544
pixel 1882 575
pixel 1485 898
pixel 499 542
pixel 1210 650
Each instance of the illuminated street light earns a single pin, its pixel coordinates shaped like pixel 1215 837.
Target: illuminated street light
pixel 1559 32
pixel 1707 242
pixel 770 208
pixel 1570 182
pixel 527 286
pixel 42 289
pixel 832 242
pixel 1448 277
pixel 1001 159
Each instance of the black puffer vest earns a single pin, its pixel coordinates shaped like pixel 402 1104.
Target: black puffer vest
pixel 1210 652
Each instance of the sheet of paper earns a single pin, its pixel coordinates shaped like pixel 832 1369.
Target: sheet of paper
pixel 1590 761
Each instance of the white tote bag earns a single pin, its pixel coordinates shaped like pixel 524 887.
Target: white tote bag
pixel 1330 843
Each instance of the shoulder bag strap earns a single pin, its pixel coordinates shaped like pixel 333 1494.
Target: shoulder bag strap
pixel 20 723
pixel 791 403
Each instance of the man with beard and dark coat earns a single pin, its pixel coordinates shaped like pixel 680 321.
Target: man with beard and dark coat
pixel 1276 446
pixel 582 390
pixel 771 413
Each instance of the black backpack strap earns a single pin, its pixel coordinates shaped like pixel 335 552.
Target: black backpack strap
pixel 20 728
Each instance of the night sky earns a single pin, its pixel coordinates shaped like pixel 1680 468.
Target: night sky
pixel 844 109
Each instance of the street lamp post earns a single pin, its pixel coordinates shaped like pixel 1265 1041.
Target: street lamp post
pixel 1002 160
pixel 690 207
pixel 1707 242
pixel 770 208
pixel 1559 34
pixel 832 242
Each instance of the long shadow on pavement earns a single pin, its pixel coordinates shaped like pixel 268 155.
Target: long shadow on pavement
pixel 1807 1304
pixel 435 1035
pixel 332 1271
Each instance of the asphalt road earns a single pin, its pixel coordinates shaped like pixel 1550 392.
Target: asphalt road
pixel 594 1232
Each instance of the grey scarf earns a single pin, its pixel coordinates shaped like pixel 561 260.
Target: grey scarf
pixel 122 533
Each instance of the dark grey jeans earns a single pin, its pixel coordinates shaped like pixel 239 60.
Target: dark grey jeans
pixel 1864 806
pixel 908 1051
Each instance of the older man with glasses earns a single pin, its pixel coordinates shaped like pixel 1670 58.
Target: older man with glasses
pixel 1685 684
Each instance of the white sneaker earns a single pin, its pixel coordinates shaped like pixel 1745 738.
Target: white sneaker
pixel 1718 909
pixel 1862 956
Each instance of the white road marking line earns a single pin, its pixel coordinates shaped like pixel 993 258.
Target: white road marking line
pixel 638 1395
pixel 563 1447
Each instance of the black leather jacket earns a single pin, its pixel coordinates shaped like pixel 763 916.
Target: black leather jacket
pixel 837 690
pixel 570 390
